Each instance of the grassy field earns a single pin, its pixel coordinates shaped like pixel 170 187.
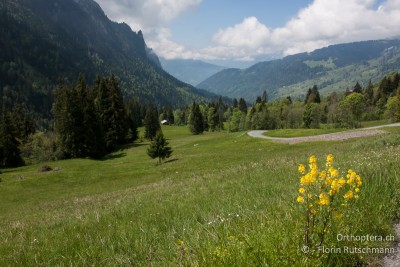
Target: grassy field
pixel 287 133
pixel 223 199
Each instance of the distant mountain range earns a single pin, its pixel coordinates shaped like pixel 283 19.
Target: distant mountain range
pixel 190 71
pixel 44 40
pixel 333 68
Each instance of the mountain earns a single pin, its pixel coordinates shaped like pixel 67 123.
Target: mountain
pixel 190 71
pixel 333 68
pixel 45 40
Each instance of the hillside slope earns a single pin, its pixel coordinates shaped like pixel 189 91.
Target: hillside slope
pixel 44 40
pixel 332 68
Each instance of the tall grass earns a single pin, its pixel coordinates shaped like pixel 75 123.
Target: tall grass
pixel 222 200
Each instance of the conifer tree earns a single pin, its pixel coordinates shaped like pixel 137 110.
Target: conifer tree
pixel 196 124
pixel 77 122
pixel 242 105
pixel 23 121
pixel 357 88
pixel 112 112
pixel 151 123
pixel 159 147
pixel 94 143
pixel 369 93
pixel 10 155
pixel 64 110
pixel 264 97
pixel 133 119
pixel 312 96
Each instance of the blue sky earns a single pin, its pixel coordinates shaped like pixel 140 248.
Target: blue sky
pixel 197 27
pixel 242 32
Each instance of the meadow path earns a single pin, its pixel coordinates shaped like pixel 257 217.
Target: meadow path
pixel 370 131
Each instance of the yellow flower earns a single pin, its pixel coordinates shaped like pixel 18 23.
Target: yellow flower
pixel 323 199
pixel 300 199
pixel 314 172
pixel 331 192
pixel 312 159
pixel 349 195
pixel 329 160
pixel 335 186
pixel 357 190
pixel 301 169
pixel 302 190
pixel 307 179
pixel 322 175
pixel 333 172
pixel 359 182
pixel 341 182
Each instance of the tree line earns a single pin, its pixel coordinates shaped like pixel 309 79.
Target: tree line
pixel 94 120
pixel 338 110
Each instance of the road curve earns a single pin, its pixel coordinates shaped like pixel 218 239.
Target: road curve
pixel 370 131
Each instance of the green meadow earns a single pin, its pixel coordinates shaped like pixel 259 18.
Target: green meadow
pixel 222 199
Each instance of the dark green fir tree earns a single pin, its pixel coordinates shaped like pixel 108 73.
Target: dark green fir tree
pixel 10 155
pixel 151 123
pixel 111 110
pixel 159 148
pixel 196 124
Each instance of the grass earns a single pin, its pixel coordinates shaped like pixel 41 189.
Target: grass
pixel 326 129
pixel 366 124
pixel 287 133
pixel 223 199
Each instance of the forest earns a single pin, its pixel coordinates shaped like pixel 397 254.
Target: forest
pixel 111 121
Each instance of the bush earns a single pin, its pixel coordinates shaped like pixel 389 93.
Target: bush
pixel 41 147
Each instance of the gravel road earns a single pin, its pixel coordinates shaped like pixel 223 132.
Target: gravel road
pixel 393 260
pixel 324 137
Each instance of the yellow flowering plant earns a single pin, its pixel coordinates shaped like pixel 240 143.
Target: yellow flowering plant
pixel 324 195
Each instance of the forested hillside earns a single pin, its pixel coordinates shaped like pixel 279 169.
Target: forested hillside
pixel 332 69
pixel 43 41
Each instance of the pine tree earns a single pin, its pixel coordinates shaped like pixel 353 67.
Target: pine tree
pixel 112 112
pixel 242 105
pixel 312 96
pixel 357 88
pixel 220 111
pixel 151 123
pixel 77 122
pixel 133 118
pixel 264 97
pixel 94 142
pixel 10 155
pixel 23 121
pixel 64 120
pixel 159 147
pixel 369 92
pixel 196 124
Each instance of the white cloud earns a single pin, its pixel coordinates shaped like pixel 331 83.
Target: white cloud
pixel 250 34
pixel 320 24
pixel 338 21
pixel 140 14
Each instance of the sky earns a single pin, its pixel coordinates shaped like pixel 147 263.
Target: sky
pixel 241 32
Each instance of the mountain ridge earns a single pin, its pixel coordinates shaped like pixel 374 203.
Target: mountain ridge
pixel 44 40
pixel 330 68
